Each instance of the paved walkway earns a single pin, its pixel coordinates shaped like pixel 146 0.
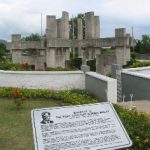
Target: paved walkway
pixel 141 106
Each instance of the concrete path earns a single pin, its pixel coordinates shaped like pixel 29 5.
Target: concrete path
pixel 141 106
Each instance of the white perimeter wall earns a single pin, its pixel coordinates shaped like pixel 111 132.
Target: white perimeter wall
pixel 101 86
pixel 43 80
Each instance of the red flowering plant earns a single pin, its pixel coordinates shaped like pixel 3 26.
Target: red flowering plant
pixel 18 98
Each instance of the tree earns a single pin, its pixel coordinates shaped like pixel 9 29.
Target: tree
pixel 74 27
pixel 143 46
pixel 2 52
pixel 33 37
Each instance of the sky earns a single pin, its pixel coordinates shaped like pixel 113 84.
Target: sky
pixel 24 16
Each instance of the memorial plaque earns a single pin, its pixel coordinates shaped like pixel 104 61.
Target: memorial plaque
pixel 83 127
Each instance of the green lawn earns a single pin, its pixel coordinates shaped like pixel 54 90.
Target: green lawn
pixel 15 126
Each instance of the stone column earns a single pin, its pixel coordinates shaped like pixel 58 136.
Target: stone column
pixel 128 54
pixel 16 56
pixel 39 63
pixel 80 36
pixel 16 37
pixel 16 48
pixel 58 28
pixel 114 69
pixel 120 32
pixel 80 52
pixel 84 58
pixel 120 54
pixel 128 51
pixel 67 54
pixel 65 25
pixel 97 27
pixel 97 51
pixel 89 25
pixel 80 29
pixel 103 63
pixel 50 57
pixel 16 41
pixel 51 27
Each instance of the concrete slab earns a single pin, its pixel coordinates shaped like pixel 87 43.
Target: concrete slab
pixel 141 106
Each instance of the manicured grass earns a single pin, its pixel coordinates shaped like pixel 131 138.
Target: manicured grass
pixel 15 126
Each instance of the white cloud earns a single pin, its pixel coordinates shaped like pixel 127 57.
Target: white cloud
pixel 23 16
pixel 136 11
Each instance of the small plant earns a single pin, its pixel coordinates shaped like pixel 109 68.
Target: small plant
pixel 18 99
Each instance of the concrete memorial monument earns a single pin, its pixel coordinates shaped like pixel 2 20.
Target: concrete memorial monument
pixel 83 127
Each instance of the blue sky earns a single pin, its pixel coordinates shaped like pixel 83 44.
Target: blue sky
pixel 23 16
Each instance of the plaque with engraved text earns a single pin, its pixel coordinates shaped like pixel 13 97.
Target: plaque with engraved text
pixel 82 127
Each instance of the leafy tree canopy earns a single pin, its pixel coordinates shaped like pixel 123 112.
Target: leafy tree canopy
pixel 74 27
pixel 143 45
pixel 2 52
pixel 33 37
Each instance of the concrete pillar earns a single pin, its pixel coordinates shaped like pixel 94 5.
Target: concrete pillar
pixel 84 58
pixel 89 25
pixel 16 41
pixel 65 25
pixel 120 54
pixel 97 51
pixel 128 39
pixel 114 69
pixel 97 27
pixel 85 68
pixel 67 54
pixel 80 52
pixel 103 63
pixel 51 27
pixel 39 63
pixel 50 57
pixel 120 32
pixel 128 51
pixel 90 51
pixel 58 28
pixel 128 54
pixel 80 29
pixel 99 64
pixel 16 37
pixel 16 56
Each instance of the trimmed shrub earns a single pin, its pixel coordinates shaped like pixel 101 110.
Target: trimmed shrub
pixel 74 63
pixel 92 64
pixel 135 64
pixel 75 97
pixel 15 67
pixel 137 126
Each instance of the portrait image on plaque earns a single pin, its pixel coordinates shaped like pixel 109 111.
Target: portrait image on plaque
pixel 46 116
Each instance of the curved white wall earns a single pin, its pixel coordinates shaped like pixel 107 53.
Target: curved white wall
pixel 43 80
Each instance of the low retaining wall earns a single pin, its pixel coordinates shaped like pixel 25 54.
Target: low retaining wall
pixel 136 83
pixel 143 56
pixel 43 80
pixel 102 87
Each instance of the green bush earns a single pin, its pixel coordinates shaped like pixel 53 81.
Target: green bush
pixel 134 64
pixel 15 67
pixel 92 64
pixel 75 97
pixel 137 126
pixel 60 69
pixel 26 67
pixel 75 63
